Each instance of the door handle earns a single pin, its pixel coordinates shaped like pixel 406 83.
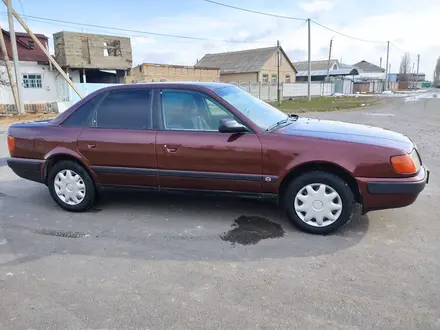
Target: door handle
pixel 170 148
pixel 91 145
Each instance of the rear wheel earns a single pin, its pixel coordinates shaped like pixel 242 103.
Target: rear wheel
pixel 319 202
pixel 71 186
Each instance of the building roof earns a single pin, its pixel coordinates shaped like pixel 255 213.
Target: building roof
pixel 25 51
pixel 316 65
pixel 249 60
pixel 337 72
pixel 24 34
pixel 368 67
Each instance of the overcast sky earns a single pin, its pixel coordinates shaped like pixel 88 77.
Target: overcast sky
pixel 409 24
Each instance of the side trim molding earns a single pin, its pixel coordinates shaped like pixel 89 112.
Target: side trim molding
pixel 186 174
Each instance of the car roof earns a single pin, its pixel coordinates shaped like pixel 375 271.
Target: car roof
pixel 208 85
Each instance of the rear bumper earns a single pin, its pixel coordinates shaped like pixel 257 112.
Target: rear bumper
pixel 379 194
pixel 29 169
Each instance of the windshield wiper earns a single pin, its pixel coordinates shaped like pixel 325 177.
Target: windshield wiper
pixel 290 116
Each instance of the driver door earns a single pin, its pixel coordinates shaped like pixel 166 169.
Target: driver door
pixel 199 157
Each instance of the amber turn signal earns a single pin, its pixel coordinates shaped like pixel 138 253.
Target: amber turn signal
pixel 11 143
pixel 404 164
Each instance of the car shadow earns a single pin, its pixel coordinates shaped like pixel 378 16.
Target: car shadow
pixel 141 225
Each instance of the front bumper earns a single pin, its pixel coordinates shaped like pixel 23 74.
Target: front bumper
pixel 29 169
pixel 379 193
pixel 393 187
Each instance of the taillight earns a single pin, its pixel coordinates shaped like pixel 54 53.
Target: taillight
pixel 11 143
pixel 406 164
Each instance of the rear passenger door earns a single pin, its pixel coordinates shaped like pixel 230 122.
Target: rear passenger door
pixel 118 139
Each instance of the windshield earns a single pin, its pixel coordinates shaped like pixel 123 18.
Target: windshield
pixel 259 112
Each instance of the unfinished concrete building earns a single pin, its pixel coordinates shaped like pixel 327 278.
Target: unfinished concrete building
pixel 149 72
pixel 93 58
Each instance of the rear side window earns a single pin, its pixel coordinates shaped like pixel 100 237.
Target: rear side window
pixel 125 109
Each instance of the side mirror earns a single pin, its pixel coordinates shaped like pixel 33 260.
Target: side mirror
pixel 230 125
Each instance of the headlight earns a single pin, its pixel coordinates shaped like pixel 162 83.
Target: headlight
pixel 406 164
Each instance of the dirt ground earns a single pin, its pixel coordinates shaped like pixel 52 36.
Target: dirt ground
pixel 8 120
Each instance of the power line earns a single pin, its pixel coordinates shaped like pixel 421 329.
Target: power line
pixel 398 48
pixel 21 5
pixel 294 18
pixel 348 36
pixel 254 11
pixel 139 31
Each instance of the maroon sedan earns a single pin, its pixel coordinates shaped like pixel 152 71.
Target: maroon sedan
pixel 215 138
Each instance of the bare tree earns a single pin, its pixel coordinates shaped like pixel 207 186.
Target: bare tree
pixel 405 67
pixel 4 80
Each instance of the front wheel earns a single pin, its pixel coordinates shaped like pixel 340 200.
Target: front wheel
pixel 71 186
pixel 319 202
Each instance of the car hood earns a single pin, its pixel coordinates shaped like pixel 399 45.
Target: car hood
pixel 336 130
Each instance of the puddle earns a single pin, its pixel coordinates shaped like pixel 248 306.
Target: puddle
pixel 250 230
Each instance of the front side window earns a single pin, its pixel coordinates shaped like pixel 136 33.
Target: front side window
pixel 190 111
pixel 127 109
pixel 32 81
pixel 259 112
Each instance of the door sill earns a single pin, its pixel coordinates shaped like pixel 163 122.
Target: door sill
pixel 226 193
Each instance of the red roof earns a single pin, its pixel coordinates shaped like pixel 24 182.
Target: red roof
pixel 25 51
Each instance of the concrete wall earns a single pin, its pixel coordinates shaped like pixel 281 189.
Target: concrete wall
pixel 163 72
pixel 84 50
pixel 301 89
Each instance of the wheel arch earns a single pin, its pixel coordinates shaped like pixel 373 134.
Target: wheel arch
pixel 325 166
pixel 55 158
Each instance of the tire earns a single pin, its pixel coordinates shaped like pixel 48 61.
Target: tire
pixel 307 209
pixel 75 201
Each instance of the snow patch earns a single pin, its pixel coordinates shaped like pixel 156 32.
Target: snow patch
pixel 380 114
pixel 414 98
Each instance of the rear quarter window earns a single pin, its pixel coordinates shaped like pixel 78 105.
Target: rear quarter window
pixel 82 117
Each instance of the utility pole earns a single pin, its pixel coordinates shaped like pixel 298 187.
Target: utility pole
pixel 43 48
pixel 380 61
pixel 413 74
pixel 20 105
pixel 386 68
pixel 389 72
pixel 8 68
pixel 418 65
pixel 329 57
pixel 309 80
pixel 278 72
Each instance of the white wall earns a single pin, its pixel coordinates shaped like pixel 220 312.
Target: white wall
pixel 39 95
pixel 74 75
pixel 300 89
pixel 48 93
pixel 372 75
